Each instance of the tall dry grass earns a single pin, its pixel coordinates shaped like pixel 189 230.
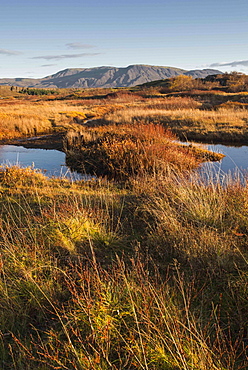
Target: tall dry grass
pixel 123 319
pixel 188 116
pixel 193 123
pixel 18 119
pixel 119 152
pixel 87 284
pixel 201 218
pixel 29 118
pixel 98 275
pixel 183 115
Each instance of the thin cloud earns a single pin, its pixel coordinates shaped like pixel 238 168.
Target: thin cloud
pixel 48 65
pixel 65 56
pixel 243 63
pixel 9 52
pixel 79 45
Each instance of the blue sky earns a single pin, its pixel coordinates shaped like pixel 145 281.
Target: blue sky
pixel 39 38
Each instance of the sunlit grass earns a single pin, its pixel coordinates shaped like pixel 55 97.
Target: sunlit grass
pixel 94 276
pixel 229 123
pixel 29 118
pixel 147 274
pixel 183 115
pixel 121 151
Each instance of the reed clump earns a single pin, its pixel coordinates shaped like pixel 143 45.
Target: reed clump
pixel 122 151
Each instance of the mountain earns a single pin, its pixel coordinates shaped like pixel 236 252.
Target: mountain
pixel 106 77
pixel 202 73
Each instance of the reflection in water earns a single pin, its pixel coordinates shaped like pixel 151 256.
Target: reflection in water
pixel 235 157
pixel 51 162
pixel 233 165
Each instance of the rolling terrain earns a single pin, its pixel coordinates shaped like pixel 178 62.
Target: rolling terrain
pixel 106 77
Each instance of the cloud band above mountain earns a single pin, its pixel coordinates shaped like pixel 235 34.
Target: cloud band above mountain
pixel 238 63
pixel 9 52
pixel 65 56
pixel 79 45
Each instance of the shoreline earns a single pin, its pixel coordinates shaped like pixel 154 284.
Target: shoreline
pixel 48 141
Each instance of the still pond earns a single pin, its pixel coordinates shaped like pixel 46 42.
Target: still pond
pixel 52 162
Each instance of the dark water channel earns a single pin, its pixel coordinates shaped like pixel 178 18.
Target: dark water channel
pixel 52 162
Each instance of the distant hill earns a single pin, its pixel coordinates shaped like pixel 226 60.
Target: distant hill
pixel 202 73
pixel 106 77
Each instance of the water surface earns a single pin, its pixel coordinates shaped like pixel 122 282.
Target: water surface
pixel 51 162
pixel 235 162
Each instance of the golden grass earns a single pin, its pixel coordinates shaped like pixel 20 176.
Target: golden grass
pixel 187 123
pixel 18 119
pixel 29 117
pixel 97 275
pixel 127 150
pixel 188 116
pixel 188 211
pixel 183 115
pixel 93 276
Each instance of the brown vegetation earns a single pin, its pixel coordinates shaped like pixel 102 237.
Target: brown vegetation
pixel 29 117
pixel 149 274
pixel 126 150
pixel 194 113
pixel 97 277
pixel 188 119
pixel 228 82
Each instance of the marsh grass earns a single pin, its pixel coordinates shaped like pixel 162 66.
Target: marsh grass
pixel 146 274
pixel 96 277
pixel 227 123
pixel 196 117
pixel 189 210
pixel 124 319
pixel 127 150
pixel 28 118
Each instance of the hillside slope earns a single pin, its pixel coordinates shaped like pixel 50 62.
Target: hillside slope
pixel 105 77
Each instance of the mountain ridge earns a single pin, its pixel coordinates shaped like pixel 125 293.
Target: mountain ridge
pixel 106 76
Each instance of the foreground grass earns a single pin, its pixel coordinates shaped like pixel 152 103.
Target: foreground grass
pixel 146 273
pixel 97 276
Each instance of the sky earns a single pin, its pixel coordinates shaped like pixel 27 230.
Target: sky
pixel 41 37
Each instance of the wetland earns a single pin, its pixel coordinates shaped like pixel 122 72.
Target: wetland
pixel 142 267
pixel 52 162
